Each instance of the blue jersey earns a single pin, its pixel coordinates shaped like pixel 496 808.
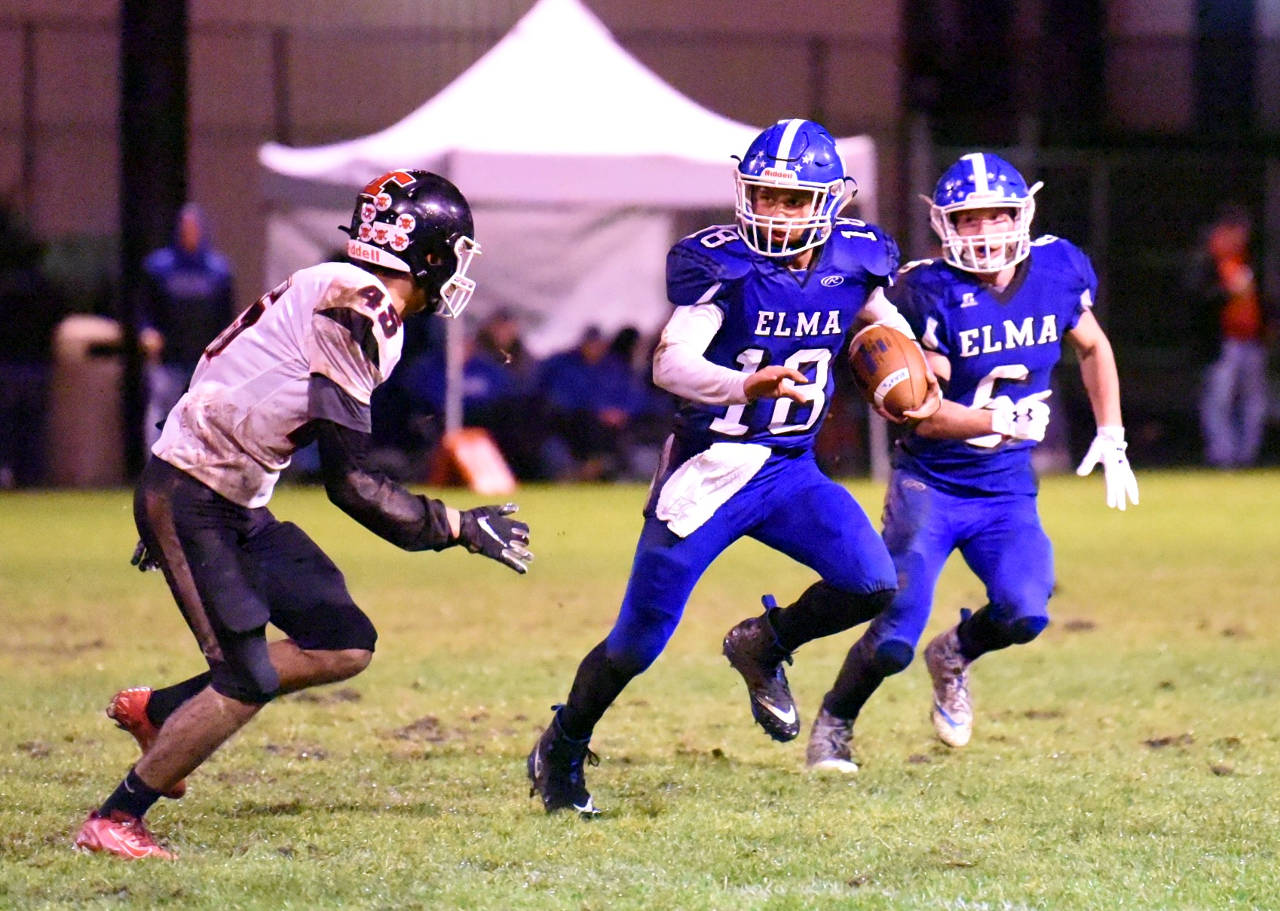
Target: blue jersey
pixel 998 343
pixel 773 315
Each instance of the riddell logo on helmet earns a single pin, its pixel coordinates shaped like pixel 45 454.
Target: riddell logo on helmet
pixel 782 175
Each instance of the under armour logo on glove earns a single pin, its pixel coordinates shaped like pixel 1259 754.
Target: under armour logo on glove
pixel 1025 419
pixel 1108 447
pixel 487 530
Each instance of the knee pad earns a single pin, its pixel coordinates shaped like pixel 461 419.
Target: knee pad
pixel 634 655
pixel 627 663
pixel 245 673
pixel 892 656
pixel 877 602
pixel 639 636
pixel 1024 629
pixel 334 628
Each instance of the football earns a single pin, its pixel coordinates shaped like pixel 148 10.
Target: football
pixel 889 369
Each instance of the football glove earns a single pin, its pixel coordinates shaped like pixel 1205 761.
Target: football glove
pixel 487 530
pixel 143 560
pixel 1025 419
pixel 1108 448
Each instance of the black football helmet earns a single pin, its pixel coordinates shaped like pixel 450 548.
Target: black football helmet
pixel 417 222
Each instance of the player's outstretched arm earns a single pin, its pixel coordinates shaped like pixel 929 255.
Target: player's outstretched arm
pixel 489 530
pixel 411 521
pixel 1102 383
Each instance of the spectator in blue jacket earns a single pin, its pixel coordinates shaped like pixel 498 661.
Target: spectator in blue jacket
pixel 589 395
pixel 189 300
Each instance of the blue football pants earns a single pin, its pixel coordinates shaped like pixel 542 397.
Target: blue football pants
pixel 999 537
pixel 790 506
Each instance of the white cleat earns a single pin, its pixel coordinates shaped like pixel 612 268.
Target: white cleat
pixel 952 709
pixel 828 749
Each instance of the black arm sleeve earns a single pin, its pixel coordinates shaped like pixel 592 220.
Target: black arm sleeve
pixel 378 503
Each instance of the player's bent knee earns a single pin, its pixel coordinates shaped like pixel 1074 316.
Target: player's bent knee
pixel 245 674
pixel 639 636
pixel 893 656
pixel 346 663
pixel 1024 629
pixel 634 657
pixel 335 627
pixel 878 602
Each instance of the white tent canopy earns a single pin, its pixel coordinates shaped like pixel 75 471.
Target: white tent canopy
pixel 574 156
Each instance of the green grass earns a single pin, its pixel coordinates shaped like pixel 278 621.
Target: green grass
pixel 1129 758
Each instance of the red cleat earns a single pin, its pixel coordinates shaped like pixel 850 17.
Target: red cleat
pixel 128 709
pixel 119 834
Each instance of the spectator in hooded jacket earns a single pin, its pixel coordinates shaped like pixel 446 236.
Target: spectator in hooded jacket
pixel 188 302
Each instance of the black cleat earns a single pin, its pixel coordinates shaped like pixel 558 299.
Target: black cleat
pixel 556 773
pixel 753 650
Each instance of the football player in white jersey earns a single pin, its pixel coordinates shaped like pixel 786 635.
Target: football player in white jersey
pixel 298 365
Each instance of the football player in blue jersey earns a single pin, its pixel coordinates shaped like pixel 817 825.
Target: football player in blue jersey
pixel 992 315
pixel 762 312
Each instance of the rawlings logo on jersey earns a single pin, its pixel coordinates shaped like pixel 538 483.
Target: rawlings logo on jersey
pixel 784 324
pixel 987 340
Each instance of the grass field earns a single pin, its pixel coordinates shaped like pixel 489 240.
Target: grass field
pixel 1129 758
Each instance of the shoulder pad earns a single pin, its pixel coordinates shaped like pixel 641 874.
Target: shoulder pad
pixel 930 274
pixel 859 244
pixel 1060 247
pixel 1062 254
pixel 718 251
pixel 341 285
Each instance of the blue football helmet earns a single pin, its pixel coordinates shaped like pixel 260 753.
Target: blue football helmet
pixel 983 181
pixel 797 155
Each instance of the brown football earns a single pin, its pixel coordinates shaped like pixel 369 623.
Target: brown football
pixel 889 369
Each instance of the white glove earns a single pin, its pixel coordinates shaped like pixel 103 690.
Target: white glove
pixel 1025 419
pixel 1108 448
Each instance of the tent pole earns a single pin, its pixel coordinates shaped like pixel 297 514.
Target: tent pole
pixel 454 348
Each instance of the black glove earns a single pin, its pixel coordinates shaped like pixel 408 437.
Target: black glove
pixel 487 530
pixel 143 560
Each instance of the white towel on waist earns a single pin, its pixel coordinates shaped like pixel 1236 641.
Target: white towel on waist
pixel 705 482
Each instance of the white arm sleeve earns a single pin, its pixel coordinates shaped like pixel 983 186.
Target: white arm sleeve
pixel 679 366
pixel 879 309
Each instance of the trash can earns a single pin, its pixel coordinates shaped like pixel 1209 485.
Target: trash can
pixel 86 421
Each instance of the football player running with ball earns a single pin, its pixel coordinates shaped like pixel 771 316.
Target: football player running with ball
pixel 763 311
pixel 298 365
pixel 992 315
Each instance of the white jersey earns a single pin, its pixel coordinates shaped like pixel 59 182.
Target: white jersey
pixel 236 427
